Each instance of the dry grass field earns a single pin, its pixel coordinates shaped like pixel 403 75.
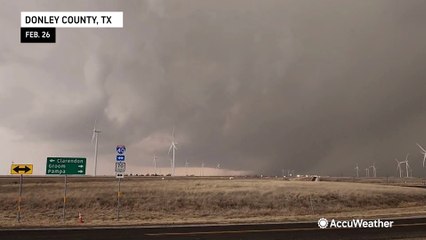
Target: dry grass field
pixel 172 201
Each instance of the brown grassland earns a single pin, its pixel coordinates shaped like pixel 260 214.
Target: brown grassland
pixel 173 201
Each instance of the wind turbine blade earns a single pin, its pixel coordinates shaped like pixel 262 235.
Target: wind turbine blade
pixel 424 151
pixel 93 136
pixel 170 148
pixel 424 159
pixel 406 157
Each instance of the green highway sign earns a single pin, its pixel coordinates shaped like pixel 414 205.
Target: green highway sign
pixel 65 166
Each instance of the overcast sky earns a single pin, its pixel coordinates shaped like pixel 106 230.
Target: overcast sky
pixel 314 86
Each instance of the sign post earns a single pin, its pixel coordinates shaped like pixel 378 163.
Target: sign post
pixel 118 200
pixel 120 168
pixel 19 198
pixel 65 198
pixel 65 166
pixel 20 169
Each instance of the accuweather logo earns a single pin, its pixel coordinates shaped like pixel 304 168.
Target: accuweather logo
pixel 354 223
pixel 322 223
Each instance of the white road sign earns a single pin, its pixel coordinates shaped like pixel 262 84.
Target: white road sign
pixel 120 167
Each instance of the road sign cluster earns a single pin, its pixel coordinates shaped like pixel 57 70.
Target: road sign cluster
pixel 120 164
pixel 69 166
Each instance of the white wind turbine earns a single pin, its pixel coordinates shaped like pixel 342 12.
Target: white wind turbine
pixel 367 172
pixel 399 167
pixel 357 170
pixel 95 138
pixel 424 154
pixel 155 164
pixel 186 167
pixel 173 149
pixel 374 169
pixel 406 164
pixel 202 168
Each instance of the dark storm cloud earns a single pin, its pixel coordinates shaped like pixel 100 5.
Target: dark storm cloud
pixel 315 86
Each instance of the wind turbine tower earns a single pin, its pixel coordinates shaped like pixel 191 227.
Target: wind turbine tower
pixel 155 164
pixel 202 168
pixel 399 167
pixel 367 172
pixel 173 149
pixel 357 170
pixel 407 167
pixel 95 138
pixel 374 170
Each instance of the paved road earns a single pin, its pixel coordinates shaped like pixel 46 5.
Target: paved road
pixel 413 228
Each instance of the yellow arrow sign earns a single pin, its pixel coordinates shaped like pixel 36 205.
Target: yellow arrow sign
pixel 21 169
